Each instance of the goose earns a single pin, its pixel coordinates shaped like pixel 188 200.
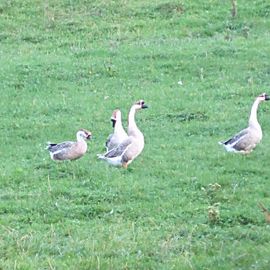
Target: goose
pixel 246 140
pixel 70 150
pixel 119 133
pixel 132 146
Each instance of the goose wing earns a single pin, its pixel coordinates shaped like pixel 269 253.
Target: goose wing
pixel 108 141
pixel 56 148
pixel 237 138
pixel 120 149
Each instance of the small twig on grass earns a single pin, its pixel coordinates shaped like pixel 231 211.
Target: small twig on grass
pixel 234 8
pixel 265 211
pixel 50 264
pixel 49 185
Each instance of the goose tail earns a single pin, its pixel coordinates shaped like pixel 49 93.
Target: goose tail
pixel 50 145
pixel 101 156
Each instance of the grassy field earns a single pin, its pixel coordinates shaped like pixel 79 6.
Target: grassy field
pixel 184 203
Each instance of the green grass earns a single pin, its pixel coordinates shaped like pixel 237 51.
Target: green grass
pixel 66 65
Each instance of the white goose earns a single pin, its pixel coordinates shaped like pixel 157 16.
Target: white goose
pixel 131 147
pixel 247 139
pixel 119 134
pixel 70 150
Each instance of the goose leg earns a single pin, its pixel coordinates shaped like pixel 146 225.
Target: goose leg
pixel 125 165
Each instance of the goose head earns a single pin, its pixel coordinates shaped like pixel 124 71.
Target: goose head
pixel 140 105
pixel 116 116
pixel 84 134
pixel 263 97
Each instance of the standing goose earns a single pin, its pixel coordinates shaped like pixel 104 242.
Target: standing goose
pixel 247 139
pixel 131 147
pixel 70 150
pixel 119 134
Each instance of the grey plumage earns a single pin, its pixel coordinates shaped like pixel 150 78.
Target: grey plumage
pixel 236 137
pixel 119 150
pixel 54 147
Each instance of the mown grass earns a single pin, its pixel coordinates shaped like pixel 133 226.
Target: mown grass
pixel 67 65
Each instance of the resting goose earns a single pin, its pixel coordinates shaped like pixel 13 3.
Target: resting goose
pixel 247 139
pixel 119 133
pixel 131 147
pixel 70 150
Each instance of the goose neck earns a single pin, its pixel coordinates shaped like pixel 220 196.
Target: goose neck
pixel 118 123
pixel 80 138
pixel 253 114
pixel 131 119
